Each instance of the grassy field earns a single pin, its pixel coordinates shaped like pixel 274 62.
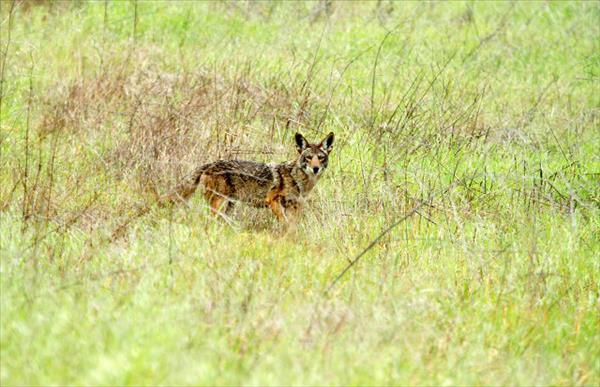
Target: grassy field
pixel 484 116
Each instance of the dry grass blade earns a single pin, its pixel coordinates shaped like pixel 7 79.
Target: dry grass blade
pixel 383 233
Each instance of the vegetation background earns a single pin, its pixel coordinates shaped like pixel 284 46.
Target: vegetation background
pixel 477 121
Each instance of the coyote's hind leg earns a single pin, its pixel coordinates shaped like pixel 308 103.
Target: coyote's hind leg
pixel 215 193
pixel 216 202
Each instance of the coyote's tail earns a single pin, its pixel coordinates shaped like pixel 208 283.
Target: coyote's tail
pixel 180 193
pixel 184 189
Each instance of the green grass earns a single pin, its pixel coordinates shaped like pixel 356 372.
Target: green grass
pixel 492 108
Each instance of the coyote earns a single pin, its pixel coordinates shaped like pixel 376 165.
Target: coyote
pixel 280 187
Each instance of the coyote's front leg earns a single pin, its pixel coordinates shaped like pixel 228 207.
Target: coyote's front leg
pixel 277 204
pixel 278 209
pixel 292 208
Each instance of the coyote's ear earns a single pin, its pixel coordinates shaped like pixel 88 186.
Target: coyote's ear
pixel 327 143
pixel 301 143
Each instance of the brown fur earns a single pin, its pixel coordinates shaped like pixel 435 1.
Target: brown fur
pixel 280 187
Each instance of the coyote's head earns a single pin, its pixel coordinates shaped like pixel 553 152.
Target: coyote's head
pixel 313 157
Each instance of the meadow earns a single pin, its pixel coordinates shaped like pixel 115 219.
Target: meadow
pixel 453 240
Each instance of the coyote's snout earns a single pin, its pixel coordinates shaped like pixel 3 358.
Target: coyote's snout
pixel 281 187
